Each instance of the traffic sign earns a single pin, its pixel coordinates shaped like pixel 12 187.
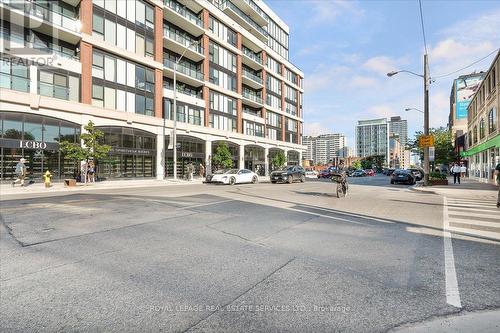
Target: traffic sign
pixel 426 141
pixel 432 153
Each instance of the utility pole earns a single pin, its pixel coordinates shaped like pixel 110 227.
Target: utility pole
pixel 174 132
pixel 426 119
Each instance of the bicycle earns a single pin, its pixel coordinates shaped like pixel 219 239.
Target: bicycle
pixel 342 184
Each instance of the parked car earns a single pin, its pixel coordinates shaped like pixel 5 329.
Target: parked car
pixel 403 176
pixel 288 174
pixel 417 173
pixel 324 173
pixel 370 172
pixel 234 176
pixel 390 171
pixel 311 174
pixel 359 173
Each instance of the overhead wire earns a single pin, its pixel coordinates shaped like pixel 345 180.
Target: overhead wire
pixel 461 69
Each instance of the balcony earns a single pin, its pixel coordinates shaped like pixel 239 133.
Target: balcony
pixel 43 20
pixel 180 42
pixel 252 99
pixel 251 80
pixel 13 82
pixel 251 59
pixel 243 19
pixel 182 17
pixel 184 73
pixel 253 11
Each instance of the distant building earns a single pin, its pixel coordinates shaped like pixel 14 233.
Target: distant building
pixel 399 156
pixel 372 138
pixel 324 148
pixel 399 127
pixel 463 89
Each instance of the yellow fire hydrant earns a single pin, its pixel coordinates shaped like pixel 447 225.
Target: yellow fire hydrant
pixel 47 178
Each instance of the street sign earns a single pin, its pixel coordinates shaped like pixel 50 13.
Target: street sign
pixel 432 153
pixel 426 141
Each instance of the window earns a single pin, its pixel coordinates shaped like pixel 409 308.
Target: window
pixel 98 65
pixel 98 25
pixel 492 120
pixel 97 95
pixel 109 98
pixel 110 31
pixel 481 129
pixel 150 47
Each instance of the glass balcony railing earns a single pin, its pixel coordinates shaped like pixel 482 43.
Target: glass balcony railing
pixel 248 95
pixel 181 10
pixel 252 55
pixel 257 9
pixel 252 76
pixel 14 82
pixel 51 90
pixel 46 14
pixel 228 4
pixel 57 52
pixel 183 69
pixel 183 40
pixel 182 90
pixel 251 112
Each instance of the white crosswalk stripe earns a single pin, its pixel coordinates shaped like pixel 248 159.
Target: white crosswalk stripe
pixel 473 217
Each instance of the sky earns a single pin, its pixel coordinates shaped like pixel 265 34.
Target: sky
pixel 346 48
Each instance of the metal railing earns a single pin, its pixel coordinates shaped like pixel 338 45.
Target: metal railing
pixel 248 95
pixel 183 69
pixel 252 76
pixel 46 14
pixel 180 89
pixel 181 10
pixel 182 40
pixel 250 54
pixel 50 90
pixel 228 4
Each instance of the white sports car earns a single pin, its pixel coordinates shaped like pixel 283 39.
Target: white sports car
pixel 235 176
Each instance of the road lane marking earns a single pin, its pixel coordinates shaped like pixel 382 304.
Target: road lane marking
pixel 452 292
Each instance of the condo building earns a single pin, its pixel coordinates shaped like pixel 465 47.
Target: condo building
pixel 324 148
pixel 113 62
pixel 483 128
pixel 372 138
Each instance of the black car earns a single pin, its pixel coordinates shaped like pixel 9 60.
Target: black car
pixel 402 176
pixel 288 175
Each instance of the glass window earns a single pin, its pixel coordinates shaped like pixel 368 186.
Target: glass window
pixel 109 98
pixel 110 5
pixel 140 104
pixel 150 17
pixel 12 127
pixel 109 69
pixel 110 32
pixel 32 129
pixel 121 71
pixel 140 77
pixel 140 13
pixel 140 46
pixel 149 47
pixel 98 24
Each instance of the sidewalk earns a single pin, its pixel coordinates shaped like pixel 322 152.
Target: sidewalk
pixel 468 188
pixel 6 189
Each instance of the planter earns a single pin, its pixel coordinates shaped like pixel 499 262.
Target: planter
pixel 438 181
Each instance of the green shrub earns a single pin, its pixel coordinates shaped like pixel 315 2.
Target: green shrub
pixel 437 175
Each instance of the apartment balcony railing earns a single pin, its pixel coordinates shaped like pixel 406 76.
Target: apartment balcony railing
pixel 252 97
pixel 228 4
pixel 179 9
pixel 14 82
pixel 251 112
pixel 252 76
pixel 51 90
pixel 249 53
pixel 183 69
pixel 170 86
pixel 46 14
pixel 257 9
pixel 52 51
pixel 183 40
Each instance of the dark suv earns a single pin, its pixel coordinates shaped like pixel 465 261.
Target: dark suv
pixel 288 174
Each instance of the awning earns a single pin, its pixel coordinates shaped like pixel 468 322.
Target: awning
pixel 491 143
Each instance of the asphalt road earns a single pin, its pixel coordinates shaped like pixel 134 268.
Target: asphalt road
pixel 244 258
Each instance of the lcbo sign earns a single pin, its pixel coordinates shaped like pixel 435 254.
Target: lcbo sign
pixel 32 144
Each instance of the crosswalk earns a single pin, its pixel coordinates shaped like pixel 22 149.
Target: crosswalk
pixel 473 217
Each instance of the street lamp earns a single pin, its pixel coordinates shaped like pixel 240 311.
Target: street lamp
pixel 174 133
pixel 409 109
pixel 426 111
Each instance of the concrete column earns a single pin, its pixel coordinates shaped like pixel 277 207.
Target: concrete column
pixel 160 152
pixel 300 157
pixel 285 150
pixel 33 79
pixel 208 157
pixel 241 158
pixel 86 83
pixel 266 159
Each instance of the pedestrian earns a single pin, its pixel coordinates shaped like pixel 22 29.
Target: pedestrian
pixel 20 172
pixel 456 173
pixel 190 170
pixel 202 170
pixel 91 172
pixel 463 170
pixel 83 171
pixel 497 182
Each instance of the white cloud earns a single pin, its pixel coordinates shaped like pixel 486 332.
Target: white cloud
pixel 381 111
pixel 326 12
pixel 315 128
pixel 380 64
pixel 359 81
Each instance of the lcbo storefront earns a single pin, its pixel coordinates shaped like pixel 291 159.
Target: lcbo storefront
pixel 35 138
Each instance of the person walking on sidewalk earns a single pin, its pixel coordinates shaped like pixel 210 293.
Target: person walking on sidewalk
pixel 20 172
pixel 497 182
pixel 463 170
pixel 456 173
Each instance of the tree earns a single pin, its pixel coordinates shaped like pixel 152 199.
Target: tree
pixel 356 164
pixel 92 148
pixel 278 160
pixel 222 157
pixel 444 152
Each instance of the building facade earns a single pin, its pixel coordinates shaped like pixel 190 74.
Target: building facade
pixel 483 130
pixel 372 138
pixel 463 89
pixel 65 63
pixel 398 142
pixel 324 148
